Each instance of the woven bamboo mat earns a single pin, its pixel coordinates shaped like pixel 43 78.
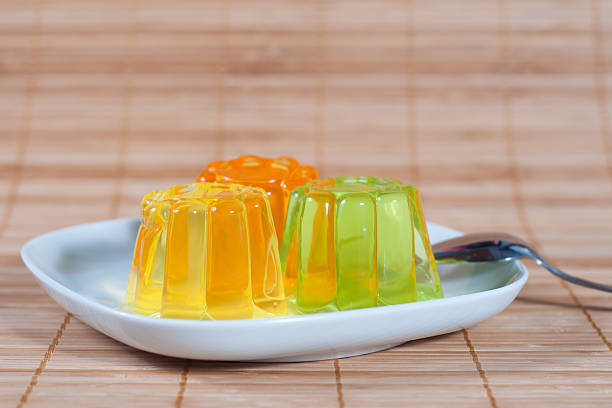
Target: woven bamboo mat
pixel 501 111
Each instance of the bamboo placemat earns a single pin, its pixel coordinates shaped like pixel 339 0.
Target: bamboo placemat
pixel 500 111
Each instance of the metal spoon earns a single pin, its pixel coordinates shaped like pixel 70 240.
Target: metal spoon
pixel 498 246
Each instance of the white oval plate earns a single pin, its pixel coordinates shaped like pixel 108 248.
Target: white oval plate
pixel 85 269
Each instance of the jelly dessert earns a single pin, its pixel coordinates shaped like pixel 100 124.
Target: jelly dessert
pixel 206 251
pixel 361 242
pixel 276 176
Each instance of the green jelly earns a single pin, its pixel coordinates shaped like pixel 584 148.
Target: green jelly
pixel 355 242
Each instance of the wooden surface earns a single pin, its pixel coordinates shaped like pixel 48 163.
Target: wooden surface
pixel 500 111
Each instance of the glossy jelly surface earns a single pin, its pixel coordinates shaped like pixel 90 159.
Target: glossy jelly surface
pixel 360 242
pixel 206 251
pixel 276 176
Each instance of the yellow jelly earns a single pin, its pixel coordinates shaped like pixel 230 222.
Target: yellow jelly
pixel 206 251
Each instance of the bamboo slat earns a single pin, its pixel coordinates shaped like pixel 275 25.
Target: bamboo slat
pixel 501 112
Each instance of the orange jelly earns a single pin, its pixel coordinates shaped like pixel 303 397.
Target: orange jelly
pixel 277 177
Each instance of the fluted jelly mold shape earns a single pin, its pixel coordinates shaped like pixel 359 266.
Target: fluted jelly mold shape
pixel 277 176
pixel 361 242
pixel 206 251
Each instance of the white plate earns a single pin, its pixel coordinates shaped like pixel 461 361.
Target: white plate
pixel 85 269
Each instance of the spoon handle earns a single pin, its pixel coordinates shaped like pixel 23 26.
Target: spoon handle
pixel 573 279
